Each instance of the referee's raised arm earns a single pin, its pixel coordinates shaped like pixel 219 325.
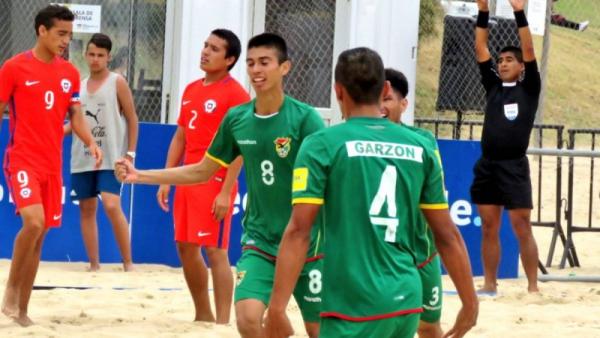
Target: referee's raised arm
pixel 482 53
pixel 524 32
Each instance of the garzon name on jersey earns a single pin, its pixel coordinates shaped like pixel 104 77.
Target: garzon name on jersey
pixel 384 150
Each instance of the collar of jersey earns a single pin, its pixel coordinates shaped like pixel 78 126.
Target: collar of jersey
pixel 223 80
pixel 509 84
pixel 365 119
pixel 264 117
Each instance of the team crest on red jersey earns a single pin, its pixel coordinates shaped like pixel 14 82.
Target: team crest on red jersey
pixel 65 85
pixel 210 106
pixel 282 146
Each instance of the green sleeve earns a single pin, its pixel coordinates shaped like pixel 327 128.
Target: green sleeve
pixel 432 195
pixel 313 122
pixel 310 172
pixel 224 148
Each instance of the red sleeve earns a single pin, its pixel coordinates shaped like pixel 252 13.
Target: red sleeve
pixel 7 82
pixel 181 120
pixel 75 79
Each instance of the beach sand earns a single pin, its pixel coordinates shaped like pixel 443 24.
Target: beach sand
pixel 153 301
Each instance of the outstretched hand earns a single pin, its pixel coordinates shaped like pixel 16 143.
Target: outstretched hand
pixel 125 171
pixel 517 5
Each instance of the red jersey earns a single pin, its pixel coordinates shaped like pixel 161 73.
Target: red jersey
pixel 202 110
pixel 39 95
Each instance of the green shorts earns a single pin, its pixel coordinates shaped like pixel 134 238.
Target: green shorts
pixel 255 275
pixel 396 327
pixel 431 278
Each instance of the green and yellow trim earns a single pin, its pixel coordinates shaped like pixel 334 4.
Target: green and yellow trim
pixel 219 161
pixel 308 200
pixel 438 206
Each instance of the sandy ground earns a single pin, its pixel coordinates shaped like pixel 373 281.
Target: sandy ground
pixel 153 301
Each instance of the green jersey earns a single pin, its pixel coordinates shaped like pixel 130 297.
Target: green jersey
pixel 269 146
pixel 425 243
pixel 372 176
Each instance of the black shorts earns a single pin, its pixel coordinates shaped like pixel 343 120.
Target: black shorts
pixel 502 182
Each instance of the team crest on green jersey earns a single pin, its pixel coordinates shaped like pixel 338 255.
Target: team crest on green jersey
pixel 282 146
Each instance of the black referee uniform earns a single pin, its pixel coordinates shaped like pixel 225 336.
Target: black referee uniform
pixel 502 174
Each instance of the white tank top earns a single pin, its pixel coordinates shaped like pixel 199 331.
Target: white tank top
pixel 108 126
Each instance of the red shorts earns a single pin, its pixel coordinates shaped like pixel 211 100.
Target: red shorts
pixel 28 187
pixel 192 213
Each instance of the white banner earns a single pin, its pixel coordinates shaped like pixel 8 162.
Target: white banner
pixel 87 18
pixel 504 9
pixel 536 15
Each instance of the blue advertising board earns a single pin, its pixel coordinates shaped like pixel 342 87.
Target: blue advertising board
pixel 458 158
pixel 152 228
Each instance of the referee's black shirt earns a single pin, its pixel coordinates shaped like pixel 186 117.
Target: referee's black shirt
pixel 509 113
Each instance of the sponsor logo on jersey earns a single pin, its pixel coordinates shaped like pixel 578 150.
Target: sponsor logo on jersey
pixel 65 85
pixel 283 146
pixel 210 106
pixel 240 277
pixel 92 115
pixel 312 299
pixel 384 150
pixel 31 83
pixel 247 142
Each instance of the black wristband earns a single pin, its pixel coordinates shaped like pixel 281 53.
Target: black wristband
pixel 482 19
pixel 521 19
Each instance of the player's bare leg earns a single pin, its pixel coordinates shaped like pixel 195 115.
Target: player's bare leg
pixel 112 207
pixel 520 220
pixel 222 282
pixel 249 318
pixel 89 230
pixel 490 244
pixel 312 329
pixel 26 286
pixel 24 264
pixel 430 330
pixel 196 277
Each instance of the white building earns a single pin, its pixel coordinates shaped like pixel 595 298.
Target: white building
pixel 322 29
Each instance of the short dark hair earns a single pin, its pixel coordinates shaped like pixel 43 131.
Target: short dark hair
pixel 48 14
pixel 397 80
pixel 234 47
pixel 101 41
pixel 516 51
pixel 360 71
pixel 271 40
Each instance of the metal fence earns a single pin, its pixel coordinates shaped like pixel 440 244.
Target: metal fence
pixel 546 173
pixel 581 213
pixel 448 78
pixel 308 27
pixel 137 28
